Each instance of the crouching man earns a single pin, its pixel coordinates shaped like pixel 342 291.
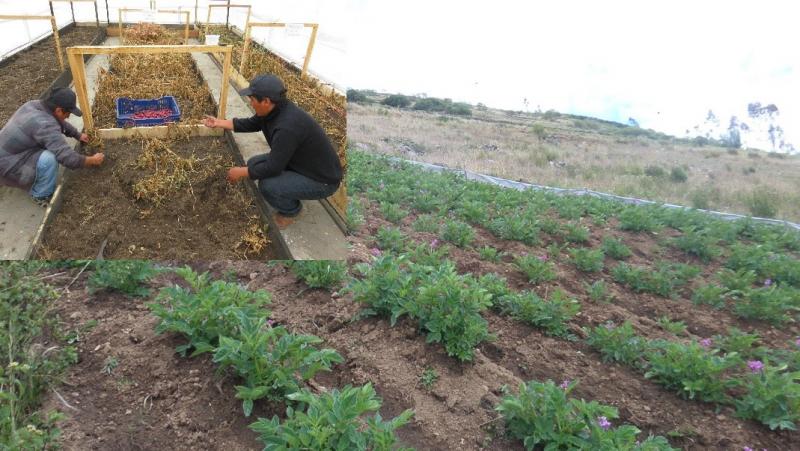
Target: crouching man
pixel 302 163
pixel 32 145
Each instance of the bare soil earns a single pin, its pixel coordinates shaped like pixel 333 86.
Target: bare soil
pixel 28 74
pixel 204 220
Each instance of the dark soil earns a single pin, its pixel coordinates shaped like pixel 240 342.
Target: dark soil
pixel 205 220
pixel 29 73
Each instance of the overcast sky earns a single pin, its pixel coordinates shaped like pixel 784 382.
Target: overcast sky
pixel 664 63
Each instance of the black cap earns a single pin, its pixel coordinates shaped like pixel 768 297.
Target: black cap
pixel 65 99
pixel 266 85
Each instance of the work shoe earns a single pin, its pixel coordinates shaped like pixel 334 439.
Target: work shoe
pixel 282 221
pixel 42 201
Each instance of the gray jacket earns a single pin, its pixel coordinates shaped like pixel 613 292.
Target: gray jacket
pixel 32 129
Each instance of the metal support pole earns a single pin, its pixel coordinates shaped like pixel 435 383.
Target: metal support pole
pixel 96 15
pixel 108 15
pixel 72 8
pixel 228 16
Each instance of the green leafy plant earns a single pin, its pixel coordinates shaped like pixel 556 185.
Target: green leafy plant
pixel 773 304
pixel 319 273
pixel 587 260
pixel 392 212
pixel 551 315
pixel 710 294
pixel 537 268
pixel 615 248
pixel 124 276
pixel 543 416
pixel 664 281
pixel 390 239
pixel 270 359
pixel 425 223
pixel 428 254
pixel 206 310
pixel 576 233
pixel 516 228
pixel 772 397
pixel 698 243
pixel 354 215
pixel 489 253
pixel 598 291
pixel 109 365
pixel 457 232
pixel 618 344
pixel 335 421
pixel 674 327
pixel 428 378
pixel 638 219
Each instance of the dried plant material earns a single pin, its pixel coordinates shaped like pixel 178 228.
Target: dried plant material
pixel 151 77
pixel 254 240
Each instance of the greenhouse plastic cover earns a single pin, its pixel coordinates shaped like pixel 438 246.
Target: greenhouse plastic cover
pixel 327 59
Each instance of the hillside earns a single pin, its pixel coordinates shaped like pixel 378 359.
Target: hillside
pixel 579 152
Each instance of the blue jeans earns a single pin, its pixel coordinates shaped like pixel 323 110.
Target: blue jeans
pixel 284 191
pixel 46 175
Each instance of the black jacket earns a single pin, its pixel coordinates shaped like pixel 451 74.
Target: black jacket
pixel 297 142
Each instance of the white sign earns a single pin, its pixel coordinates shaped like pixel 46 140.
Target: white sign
pixel 149 15
pixel 294 29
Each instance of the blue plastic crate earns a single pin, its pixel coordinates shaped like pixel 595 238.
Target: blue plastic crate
pixel 126 108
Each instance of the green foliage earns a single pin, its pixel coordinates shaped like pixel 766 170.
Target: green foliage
pixel 615 248
pixel 124 276
pixel 551 315
pixel 710 294
pixel 446 304
pixel 551 114
pixel 674 327
pixel 457 232
pixel 270 359
pixel 598 291
pixel 332 421
pixel 772 397
pixel 576 233
pixel 698 243
pixel 655 171
pixel 489 253
pixel 428 378
pixel 443 105
pixel 678 174
pixel 762 202
pixel 397 100
pixel 392 212
pixel 664 281
pixel 618 344
pixel 638 219
pixel 772 304
pixel 539 130
pixel 516 228
pixel 538 269
pixel 206 310
pixel 356 96
pixel 587 260
pixel 390 239
pixel 428 254
pixel 426 223
pixel 28 370
pixel 543 416
pixel 319 273
pixel 354 215
pixel 690 369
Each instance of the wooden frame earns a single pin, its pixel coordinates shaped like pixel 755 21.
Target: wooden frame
pixel 314 27
pixel 185 29
pixel 96 14
pixel 229 6
pixel 52 20
pixel 75 55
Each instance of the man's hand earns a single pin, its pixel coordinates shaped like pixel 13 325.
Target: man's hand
pixel 210 122
pixel 84 138
pixel 95 160
pixel 237 173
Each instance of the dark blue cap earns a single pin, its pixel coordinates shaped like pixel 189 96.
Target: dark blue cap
pixel 65 99
pixel 266 85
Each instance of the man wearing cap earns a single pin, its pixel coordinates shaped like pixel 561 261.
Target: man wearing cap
pixel 302 163
pixel 32 144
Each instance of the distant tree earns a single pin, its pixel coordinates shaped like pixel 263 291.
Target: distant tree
pixel 632 122
pixel 397 100
pixel 354 95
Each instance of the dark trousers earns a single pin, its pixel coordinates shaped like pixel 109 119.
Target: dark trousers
pixel 284 191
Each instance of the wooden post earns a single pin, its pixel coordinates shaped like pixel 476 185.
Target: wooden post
pixel 195 12
pixel 226 75
pixel 119 24
pixel 72 8
pixel 208 19
pixel 79 79
pixel 96 14
pixel 228 15
pixel 58 42
pixel 245 48
pixel 310 48
pixel 186 27
pixel 108 15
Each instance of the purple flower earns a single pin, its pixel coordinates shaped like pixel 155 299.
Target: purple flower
pixel 797 342
pixel 270 322
pixel 706 342
pixel 747 448
pixel 768 282
pixel 603 423
pixel 543 258
pixel 375 251
pixel 564 384
pixel 435 243
pixel 755 365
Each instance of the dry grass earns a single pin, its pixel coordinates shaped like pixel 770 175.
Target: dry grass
pixel 564 155
pixel 152 76
pixel 253 241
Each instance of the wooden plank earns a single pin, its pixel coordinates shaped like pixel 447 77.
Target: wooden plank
pixel 23 17
pixel 58 42
pixel 74 1
pixel 160 131
pixel 311 42
pixel 226 75
pixel 149 49
pixel 248 33
pixel 208 18
pixel 186 28
pixel 79 79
